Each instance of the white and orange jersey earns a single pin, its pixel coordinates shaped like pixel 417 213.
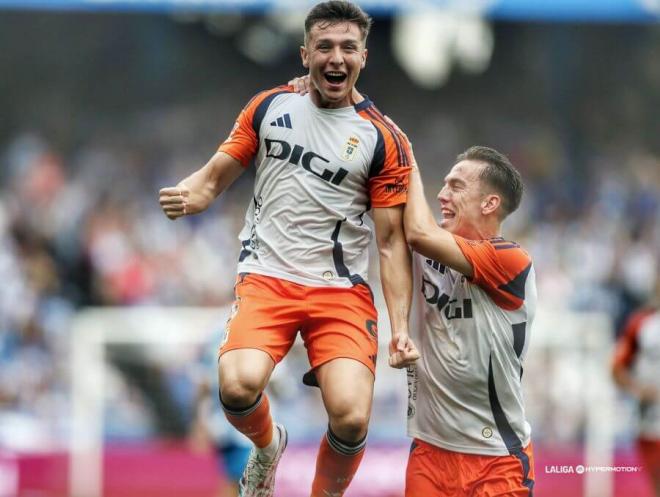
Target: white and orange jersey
pixel 465 392
pixel 638 349
pixel 318 172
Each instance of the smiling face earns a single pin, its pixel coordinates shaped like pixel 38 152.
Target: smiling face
pixel 467 209
pixel 335 54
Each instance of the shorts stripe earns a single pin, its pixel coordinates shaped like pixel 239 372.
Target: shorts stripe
pixel 526 481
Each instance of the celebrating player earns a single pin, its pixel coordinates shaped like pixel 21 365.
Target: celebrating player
pixel 322 161
pixel 475 304
pixel 475 299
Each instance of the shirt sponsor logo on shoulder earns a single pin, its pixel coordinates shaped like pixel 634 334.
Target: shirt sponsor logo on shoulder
pixel 397 187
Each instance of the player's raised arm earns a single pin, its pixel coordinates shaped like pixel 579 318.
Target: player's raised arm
pixel 396 279
pixel 423 233
pixel 196 192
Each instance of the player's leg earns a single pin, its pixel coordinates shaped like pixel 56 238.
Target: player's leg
pixel 347 389
pixel 243 375
pixel 263 326
pixel 342 342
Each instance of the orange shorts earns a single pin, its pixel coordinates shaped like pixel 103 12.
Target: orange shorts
pixel 436 472
pixel 333 322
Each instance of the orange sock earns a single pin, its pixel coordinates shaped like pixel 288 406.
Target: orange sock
pixel 336 465
pixel 254 422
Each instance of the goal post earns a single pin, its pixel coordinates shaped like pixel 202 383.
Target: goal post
pixel 570 354
pixel 92 331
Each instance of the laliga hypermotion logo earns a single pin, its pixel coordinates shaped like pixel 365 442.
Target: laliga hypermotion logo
pixel 581 469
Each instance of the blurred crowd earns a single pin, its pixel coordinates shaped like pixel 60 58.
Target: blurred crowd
pixel 80 225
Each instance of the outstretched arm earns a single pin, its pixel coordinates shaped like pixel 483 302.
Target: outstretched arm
pixel 423 233
pixel 396 279
pixel 196 192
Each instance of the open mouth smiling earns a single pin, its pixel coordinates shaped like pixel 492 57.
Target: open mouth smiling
pixel 335 77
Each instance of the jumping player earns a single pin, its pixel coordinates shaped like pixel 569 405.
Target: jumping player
pixel 322 161
pixel 475 299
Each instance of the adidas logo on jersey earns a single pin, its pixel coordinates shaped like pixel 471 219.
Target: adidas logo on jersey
pixel 282 122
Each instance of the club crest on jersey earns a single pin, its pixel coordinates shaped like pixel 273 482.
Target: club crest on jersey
pixel 351 147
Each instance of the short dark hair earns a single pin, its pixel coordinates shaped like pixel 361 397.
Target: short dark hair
pixel 498 173
pixel 336 11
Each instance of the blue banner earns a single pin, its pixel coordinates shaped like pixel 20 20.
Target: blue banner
pixel 539 10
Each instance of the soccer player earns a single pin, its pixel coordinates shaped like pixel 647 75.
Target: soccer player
pixel 636 369
pixel 323 160
pixel 475 299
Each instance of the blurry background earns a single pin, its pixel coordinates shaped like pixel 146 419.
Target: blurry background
pixel 102 103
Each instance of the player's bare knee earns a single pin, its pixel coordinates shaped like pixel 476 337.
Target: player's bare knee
pixel 351 426
pixel 237 392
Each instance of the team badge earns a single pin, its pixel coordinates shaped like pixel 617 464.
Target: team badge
pixel 372 328
pixel 351 147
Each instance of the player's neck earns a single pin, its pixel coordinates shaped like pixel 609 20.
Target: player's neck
pixel 483 232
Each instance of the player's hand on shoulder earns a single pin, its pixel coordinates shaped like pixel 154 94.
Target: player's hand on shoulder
pixel 174 200
pixel 302 85
pixel 403 352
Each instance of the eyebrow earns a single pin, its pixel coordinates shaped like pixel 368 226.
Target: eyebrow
pixel 343 43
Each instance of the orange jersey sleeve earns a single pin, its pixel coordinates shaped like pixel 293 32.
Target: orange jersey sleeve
pixel 388 175
pixel 500 269
pixel 243 141
pixel 626 345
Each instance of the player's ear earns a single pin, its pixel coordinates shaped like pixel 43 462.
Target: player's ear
pixel 304 56
pixel 364 58
pixel 490 203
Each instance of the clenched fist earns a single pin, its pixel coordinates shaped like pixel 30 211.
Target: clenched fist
pixel 175 201
pixel 402 351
